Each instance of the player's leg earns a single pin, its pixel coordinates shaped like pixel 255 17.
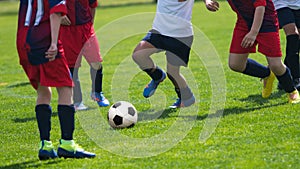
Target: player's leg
pixel 66 113
pixel 287 20
pixel 185 96
pixel 241 63
pixel 269 45
pixel 96 72
pixel 91 52
pixel 141 56
pixel 292 51
pixel 77 94
pixel 177 53
pixel 43 113
pixel 284 77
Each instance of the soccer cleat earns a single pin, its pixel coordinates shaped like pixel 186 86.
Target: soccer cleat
pixel 80 106
pixel 46 150
pixel 69 149
pixel 294 97
pixel 183 103
pixel 100 99
pixel 149 90
pixel 268 85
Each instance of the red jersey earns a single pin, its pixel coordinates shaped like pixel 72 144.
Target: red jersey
pixel 79 11
pixel 245 13
pixel 34 34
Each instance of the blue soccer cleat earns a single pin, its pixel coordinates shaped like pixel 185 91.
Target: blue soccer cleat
pixel 69 149
pixel 100 99
pixel 46 150
pixel 183 103
pixel 149 90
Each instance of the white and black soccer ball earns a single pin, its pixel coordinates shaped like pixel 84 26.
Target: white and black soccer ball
pixel 122 114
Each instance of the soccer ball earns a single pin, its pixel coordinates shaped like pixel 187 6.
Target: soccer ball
pixel 122 114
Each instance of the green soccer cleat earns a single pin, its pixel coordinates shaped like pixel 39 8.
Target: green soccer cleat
pixel 46 150
pixel 69 149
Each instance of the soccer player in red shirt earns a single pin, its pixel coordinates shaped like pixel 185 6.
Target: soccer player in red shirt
pixel 79 38
pixel 257 24
pixel 42 58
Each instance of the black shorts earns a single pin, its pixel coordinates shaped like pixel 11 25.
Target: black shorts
pixel 177 49
pixel 287 15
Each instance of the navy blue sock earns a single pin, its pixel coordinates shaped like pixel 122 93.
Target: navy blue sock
pixel 67 121
pixel 292 55
pixel 256 69
pixel 173 80
pixel 98 81
pixel 43 114
pixel 184 93
pixel 155 73
pixel 97 77
pixel 286 81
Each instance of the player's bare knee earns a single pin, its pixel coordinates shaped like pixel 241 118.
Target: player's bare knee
pixel 96 65
pixel 277 68
pixel 135 57
pixel 235 67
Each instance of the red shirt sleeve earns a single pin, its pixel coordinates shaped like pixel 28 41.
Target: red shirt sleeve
pixel 257 3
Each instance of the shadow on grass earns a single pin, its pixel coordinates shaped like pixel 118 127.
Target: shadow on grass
pixel 19 85
pixel 257 99
pixel 8 13
pixel 30 164
pixel 27 119
pixel 152 114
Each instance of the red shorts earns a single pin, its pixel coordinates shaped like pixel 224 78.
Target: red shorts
pixel 53 74
pixel 268 43
pixel 84 43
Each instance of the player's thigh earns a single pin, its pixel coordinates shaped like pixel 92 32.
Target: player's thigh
pixel 65 95
pixel 290 29
pixel 237 62
pixel 144 49
pixel 91 51
pixel 44 95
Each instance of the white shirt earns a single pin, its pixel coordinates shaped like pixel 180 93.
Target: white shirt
pixel 293 4
pixel 173 18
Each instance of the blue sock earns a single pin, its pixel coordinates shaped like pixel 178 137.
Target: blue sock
pixel 43 114
pixel 256 69
pixel 286 81
pixel 67 121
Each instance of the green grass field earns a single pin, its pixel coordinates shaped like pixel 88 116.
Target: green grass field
pixel 231 126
